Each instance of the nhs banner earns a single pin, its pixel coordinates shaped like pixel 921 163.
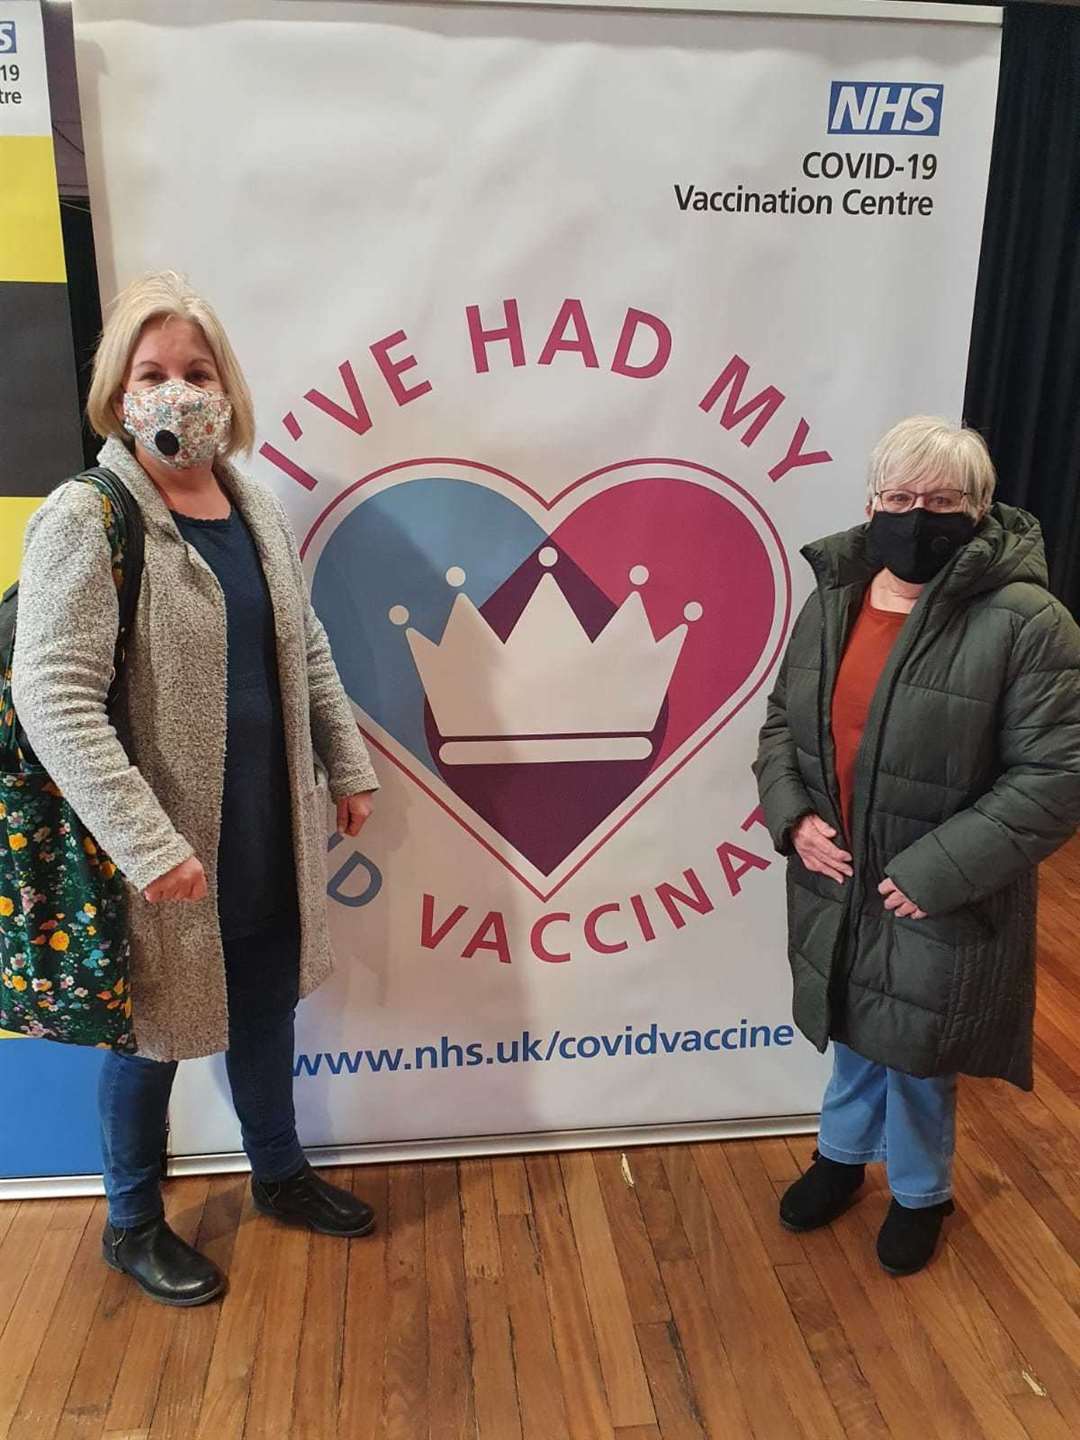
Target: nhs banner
pixel 860 108
pixel 558 363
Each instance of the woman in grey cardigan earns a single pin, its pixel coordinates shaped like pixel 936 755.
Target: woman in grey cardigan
pixel 207 783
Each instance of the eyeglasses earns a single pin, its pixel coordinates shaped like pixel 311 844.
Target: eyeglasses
pixel 938 502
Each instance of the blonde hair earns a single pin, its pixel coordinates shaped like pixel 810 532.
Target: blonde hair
pixel 158 297
pixel 927 447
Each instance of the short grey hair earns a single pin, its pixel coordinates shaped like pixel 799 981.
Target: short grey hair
pixel 926 447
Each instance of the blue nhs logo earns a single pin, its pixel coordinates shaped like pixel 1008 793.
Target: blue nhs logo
pixel 863 107
pixel 7 37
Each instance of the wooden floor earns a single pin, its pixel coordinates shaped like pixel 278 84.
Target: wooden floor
pixel 590 1295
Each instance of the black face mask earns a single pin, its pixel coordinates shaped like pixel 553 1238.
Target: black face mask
pixel 916 545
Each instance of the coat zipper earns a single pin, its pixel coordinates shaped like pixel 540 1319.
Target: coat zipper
pixel 827 751
pixel 826 747
pixel 861 812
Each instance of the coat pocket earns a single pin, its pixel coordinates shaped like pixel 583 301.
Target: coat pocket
pixel 317 828
pixel 815 920
pixel 925 959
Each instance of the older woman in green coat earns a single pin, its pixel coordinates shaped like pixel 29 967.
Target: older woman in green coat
pixel 920 757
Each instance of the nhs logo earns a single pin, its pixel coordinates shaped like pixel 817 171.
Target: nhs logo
pixel 7 37
pixel 862 107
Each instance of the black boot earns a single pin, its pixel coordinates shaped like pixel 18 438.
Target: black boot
pixel 163 1266
pixel 306 1199
pixel 908 1238
pixel 822 1195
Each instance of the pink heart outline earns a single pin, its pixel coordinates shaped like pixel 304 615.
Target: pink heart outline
pixel 548 505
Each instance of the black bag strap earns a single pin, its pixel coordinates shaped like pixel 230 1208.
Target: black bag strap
pixel 134 544
pixel 15 748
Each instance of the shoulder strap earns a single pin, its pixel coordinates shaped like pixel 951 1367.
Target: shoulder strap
pixel 126 532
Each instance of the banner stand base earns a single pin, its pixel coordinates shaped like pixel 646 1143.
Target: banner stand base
pixel 52 1187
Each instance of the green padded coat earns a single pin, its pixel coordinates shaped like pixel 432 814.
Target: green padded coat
pixel 967 777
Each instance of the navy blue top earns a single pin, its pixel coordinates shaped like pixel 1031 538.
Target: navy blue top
pixel 256 870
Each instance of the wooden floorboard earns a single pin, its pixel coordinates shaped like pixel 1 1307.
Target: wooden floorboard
pixel 646 1296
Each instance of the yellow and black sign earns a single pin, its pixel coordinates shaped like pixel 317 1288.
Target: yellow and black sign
pixel 39 407
pixel 39 420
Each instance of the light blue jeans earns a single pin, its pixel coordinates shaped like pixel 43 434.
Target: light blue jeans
pixel 871 1114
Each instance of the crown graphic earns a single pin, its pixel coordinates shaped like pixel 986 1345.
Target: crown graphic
pixel 548 692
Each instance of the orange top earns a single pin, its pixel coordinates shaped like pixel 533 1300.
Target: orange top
pixel 864 659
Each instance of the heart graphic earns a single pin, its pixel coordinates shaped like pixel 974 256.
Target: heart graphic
pixel 541 667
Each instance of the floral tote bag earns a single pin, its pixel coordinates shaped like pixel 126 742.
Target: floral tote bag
pixel 64 953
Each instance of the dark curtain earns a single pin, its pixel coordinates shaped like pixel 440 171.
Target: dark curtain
pixel 1023 383
pixel 83 301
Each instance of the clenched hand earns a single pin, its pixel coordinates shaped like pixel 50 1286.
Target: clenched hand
pixel 186 881
pixel 897 901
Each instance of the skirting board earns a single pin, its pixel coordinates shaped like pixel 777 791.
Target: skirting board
pixel 52 1187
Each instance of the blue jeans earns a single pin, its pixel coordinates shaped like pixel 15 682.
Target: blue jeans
pixel 133 1095
pixel 871 1113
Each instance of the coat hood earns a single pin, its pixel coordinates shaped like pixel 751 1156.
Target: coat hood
pixel 1007 548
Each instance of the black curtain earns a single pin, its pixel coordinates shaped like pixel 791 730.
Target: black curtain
pixel 84 302
pixel 1023 383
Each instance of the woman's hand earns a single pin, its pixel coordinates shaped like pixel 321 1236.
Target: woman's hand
pixel 186 881
pixel 352 812
pixel 812 838
pixel 897 901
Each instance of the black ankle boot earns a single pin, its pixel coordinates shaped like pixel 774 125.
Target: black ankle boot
pixel 822 1195
pixel 163 1266
pixel 307 1199
pixel 908 1238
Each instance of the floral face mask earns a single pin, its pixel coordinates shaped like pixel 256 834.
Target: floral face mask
pixel 178 423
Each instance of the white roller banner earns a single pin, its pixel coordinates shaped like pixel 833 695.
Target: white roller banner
pixel 566 330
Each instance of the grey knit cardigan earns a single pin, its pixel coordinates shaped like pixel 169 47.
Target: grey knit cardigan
pixel 149 790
